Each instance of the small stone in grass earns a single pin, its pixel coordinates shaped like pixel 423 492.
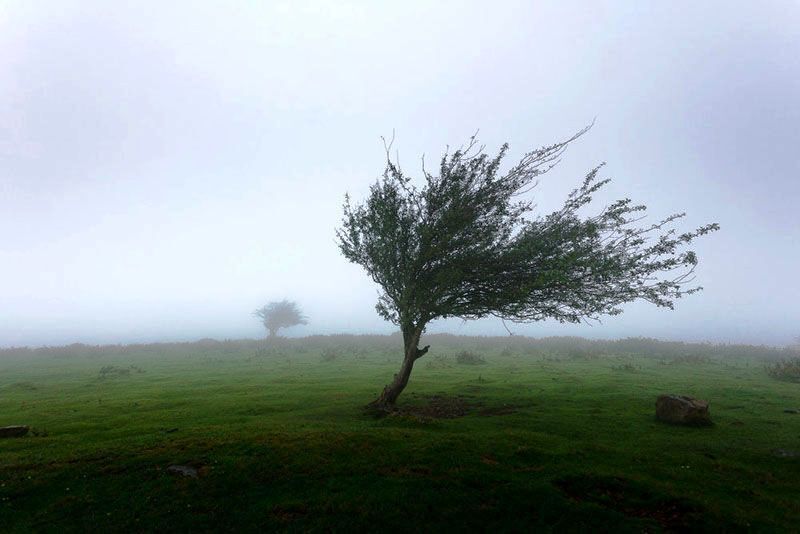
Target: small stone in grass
pixel 15 431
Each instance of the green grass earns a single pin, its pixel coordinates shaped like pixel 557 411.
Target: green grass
pixel 559 435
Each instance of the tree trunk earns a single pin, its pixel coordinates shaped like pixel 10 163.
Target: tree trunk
pixel 388 398
pixel 273 332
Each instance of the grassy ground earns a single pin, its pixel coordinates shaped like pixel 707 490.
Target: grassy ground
pixel 555 435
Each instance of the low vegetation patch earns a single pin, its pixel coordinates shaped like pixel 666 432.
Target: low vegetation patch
pixel 438 361
pixel 113 371
pixel 688 359
pixel 788 370
pixel 22 386
pixel 330 354
pixel 273 351
pixel 466 357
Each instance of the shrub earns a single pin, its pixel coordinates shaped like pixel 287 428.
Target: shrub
pixel 469 358
pixel 329 354
pixel 359 353
pixel 273 352
pixel 582 354
pixel 788 370
pixel 109 371
pixel 438 361
pixel 691 359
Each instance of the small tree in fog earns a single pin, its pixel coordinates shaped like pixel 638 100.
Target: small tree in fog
pixel 280 314
pixel 462 244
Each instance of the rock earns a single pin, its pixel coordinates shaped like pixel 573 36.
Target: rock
pixel 183 470
pixel 682 410
pixel 16 431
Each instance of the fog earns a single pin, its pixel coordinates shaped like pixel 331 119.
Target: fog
pixel 165 170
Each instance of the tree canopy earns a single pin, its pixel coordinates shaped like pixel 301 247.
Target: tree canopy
pixel 463 243
pixel 280 314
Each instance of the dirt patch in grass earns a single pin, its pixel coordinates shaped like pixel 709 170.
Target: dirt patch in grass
pixel 405 471
pixel 503 409
pixel 451 407
pixel 287 513
pixel 634 500
pixel 439 407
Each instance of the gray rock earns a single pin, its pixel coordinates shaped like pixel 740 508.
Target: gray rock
pixel 16 431
pixel 183 470
pixel 682 410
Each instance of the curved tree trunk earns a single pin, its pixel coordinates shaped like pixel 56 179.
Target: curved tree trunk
pixel 388 398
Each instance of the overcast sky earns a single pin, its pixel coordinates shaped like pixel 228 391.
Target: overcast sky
pixel 166 168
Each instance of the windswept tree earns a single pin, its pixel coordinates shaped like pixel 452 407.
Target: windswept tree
pixel 463 243
pixel 280 314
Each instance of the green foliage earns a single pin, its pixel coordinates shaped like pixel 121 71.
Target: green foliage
pixel 280 314
pixel 464 244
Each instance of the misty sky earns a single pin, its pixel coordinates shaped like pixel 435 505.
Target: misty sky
pixel 166 169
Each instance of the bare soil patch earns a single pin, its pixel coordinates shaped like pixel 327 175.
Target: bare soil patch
pixel 451 407
pixel 632 499
pixel 289 512
pixel 504 409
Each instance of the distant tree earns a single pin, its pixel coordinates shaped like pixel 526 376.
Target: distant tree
pixel 461 244
pixel 280 314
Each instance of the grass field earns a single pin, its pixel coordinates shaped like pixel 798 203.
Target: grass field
pixel 554 434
